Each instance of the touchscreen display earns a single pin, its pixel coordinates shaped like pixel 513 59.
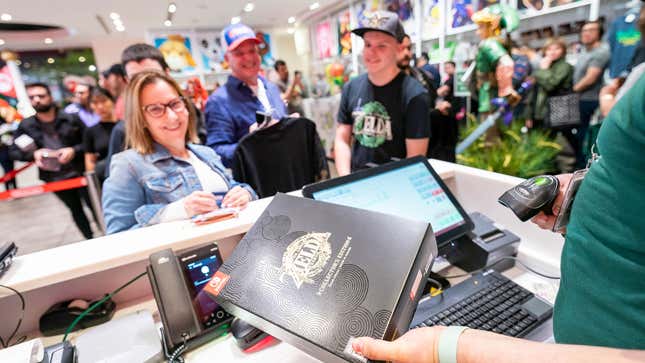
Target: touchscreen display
pixel 199 272
pixel 409 192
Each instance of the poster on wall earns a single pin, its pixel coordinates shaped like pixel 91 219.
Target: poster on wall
pixel 462 10
pixel 324 39
pixel 405 11
pixel 177 51
pixel 431 15
pixel 210 51
pixel 344 33
pixel 537 6
pixel 364 8
pixel 265 48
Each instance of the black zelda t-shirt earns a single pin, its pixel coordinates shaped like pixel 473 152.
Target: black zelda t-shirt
pixel 382 117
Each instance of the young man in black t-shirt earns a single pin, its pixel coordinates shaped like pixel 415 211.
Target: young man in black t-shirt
pixel 385 110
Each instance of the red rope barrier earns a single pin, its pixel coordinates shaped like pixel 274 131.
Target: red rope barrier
pixel 45 188
pixel 12 174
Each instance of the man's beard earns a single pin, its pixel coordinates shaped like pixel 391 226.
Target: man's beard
pixel 43 108
pixel 403 64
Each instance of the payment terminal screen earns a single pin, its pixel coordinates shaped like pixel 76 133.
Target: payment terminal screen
pixel 410 192
pixel 199 273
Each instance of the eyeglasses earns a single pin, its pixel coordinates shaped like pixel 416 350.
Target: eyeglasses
pixel 31 97
pixel 159 109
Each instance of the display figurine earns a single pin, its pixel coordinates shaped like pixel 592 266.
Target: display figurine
pixel 494 64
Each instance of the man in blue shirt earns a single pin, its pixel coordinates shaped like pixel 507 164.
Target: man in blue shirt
pixel 230 111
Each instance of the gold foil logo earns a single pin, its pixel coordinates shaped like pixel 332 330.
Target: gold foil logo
pixel 306 257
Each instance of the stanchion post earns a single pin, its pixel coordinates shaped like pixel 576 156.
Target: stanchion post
pixel 94 190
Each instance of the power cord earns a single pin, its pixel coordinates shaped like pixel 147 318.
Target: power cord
pixel 498 261
pixel 98 303
pixel 22 315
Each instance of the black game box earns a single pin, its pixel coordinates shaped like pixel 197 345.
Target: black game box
pixel 316 275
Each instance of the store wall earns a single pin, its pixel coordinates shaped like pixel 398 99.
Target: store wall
pixel 107 49
pixel 285 49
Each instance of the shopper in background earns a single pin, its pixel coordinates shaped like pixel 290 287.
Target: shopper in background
pixel 81 105
pixel 425 78
pixel 164 176
pixel 423 63
pixel 587 79
pixel 554 77
pixel 444 127
pixel 115 81
pixel 5 161
pixel 231 110
pixel 96 139
pixel 604 239
pixel 56 146
pixel 385 110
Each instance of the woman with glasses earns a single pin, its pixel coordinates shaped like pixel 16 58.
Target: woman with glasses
pixel 164 176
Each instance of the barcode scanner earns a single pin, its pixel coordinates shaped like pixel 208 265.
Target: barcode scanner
pixel 531 197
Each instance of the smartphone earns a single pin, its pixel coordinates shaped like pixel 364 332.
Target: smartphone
pixel 562 219
pixel 50 161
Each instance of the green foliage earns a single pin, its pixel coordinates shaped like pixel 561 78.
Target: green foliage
pixel 519 154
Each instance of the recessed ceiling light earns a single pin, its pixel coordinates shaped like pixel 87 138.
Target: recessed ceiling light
pixel 92 68
pixel 314 6
pixel 291 20
pixel 120 28
pixel 117 22
pixel 81 59
pixel 51 60
pixel 291 30
pixel 1 41
pixel 167 22
pixel 48 41
pixel 6 17
pixel 172 7
pixel 235 20
pixel 249 7
pixel 114 16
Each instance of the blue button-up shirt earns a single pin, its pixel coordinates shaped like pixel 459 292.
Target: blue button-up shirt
pixel 230 111
pixel 141 186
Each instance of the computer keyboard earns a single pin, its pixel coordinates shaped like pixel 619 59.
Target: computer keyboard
pixel 485 301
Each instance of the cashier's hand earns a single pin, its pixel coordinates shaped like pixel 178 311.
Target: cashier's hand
pixel 417 345
pixel 199 202
pixel 237 197
pixel 544 221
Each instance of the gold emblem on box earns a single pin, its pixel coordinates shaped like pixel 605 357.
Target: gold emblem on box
pixel 306 257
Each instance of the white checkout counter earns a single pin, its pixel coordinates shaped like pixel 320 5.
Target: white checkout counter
pixel 92 268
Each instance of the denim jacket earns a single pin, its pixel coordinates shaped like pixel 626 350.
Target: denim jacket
pixel 141 186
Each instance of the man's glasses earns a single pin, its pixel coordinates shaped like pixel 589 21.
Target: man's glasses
pixel 33 97
pixel 159 109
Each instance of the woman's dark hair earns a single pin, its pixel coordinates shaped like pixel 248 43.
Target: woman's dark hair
pixel 101 92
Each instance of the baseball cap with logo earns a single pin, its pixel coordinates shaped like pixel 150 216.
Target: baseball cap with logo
pixel 233 35
pixel 383 21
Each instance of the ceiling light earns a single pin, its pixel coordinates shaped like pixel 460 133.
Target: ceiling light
pixel 48 41
pixel 18 62
pixel 117 22
pixel 114 16
pixel 92 68
pixel 1 41
pixel 314 6
pixel 51 60
pixel 235 20
pixel 167 22
pixel 81 59
pixel 120 28
pixel 291 30
pixel 5 17
pixel 291 20
pixel 249 7
pixel 172 7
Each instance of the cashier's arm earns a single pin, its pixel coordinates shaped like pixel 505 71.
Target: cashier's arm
pixel 414 147
pixel 484 347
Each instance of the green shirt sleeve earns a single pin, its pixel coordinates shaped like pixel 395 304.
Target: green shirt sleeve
pixel 490 51
pixel 554 77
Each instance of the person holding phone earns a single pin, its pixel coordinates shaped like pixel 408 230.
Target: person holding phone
pixel 164 176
